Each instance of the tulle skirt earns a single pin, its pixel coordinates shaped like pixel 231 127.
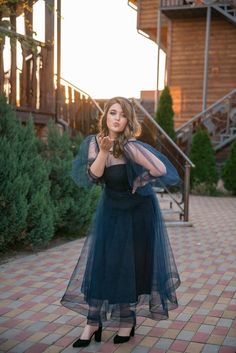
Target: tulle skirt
pixel 126 267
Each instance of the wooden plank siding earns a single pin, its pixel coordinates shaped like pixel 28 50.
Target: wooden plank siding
pixel 183 40
pixel 186 64
pixel 147 21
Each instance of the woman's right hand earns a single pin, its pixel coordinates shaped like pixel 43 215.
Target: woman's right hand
pixel 106 143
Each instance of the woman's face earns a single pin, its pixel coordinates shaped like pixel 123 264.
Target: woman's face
pixel 116 121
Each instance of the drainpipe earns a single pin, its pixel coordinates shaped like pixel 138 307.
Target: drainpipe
pixel 158 54
pixel 206 57
pixel 58 60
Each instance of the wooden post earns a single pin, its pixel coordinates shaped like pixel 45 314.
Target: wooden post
pixel 12 97
pixel 48 98
pixel 23 78
pixel 30 81
pixel 2 43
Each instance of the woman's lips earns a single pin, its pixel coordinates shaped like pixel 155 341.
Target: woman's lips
pixel 116 124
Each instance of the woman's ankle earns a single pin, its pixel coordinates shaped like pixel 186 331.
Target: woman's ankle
pixel 88 331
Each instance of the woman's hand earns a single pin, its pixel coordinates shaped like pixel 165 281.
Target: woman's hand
pixel 106 143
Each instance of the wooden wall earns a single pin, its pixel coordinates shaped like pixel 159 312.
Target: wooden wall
pixel 186 64
pixel 147 20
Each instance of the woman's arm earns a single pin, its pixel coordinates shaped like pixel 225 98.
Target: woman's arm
pixel 140 155
pixel 157 166
pixel 97 167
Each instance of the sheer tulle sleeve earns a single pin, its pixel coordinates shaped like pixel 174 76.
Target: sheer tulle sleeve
pixel 157 166
pixel 87 154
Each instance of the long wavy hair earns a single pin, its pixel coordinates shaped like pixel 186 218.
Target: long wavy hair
pixel 132 129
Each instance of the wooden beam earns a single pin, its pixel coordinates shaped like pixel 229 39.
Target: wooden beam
pixel 2 43
pixel 13 63
pixel 39 118
pixel 48 67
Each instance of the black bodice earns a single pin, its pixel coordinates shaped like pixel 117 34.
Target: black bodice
pixel 115 177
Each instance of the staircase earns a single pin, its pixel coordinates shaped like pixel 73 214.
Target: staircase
pixel 219 120
pixel 227 9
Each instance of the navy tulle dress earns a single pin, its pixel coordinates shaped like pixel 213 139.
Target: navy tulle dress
pixel 126 267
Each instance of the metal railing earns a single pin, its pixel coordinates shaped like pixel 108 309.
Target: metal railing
pixel 158 138
pixel 217 119
pixel 191 3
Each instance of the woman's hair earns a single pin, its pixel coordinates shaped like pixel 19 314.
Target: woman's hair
pixel 132 129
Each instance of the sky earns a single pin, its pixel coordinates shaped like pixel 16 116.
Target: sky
pixel 101 51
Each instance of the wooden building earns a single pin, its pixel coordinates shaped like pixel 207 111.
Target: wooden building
pixel 28 76
pixel 199 40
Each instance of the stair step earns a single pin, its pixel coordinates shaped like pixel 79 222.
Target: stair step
pixel 178 224
pixel 233 130
pixel 158 189
pixel 224 137
pixel 170 211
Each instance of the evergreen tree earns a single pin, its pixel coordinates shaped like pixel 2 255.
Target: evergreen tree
pixel 25 207
pixel 73 207
pixel 14 181
pixel 229 170
pixel 202 155
pixel 59 157
pixel 40 217
pixel 165 113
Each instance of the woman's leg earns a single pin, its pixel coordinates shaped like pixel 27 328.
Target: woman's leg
pixel 94 312
pixel 93 319
pixel 127 316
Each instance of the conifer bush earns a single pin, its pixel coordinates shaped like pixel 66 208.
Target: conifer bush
pixel 38 197
pixel 229 170
pixel 204 175
pixel 40 216
pixel 25 208
pixel 165 114
pixel 14 181
pixel 73 207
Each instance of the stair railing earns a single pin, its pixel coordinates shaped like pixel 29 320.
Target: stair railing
pixel 216 119
pixel 77 109
pixel 160 140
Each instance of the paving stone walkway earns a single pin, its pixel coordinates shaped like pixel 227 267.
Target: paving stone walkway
pixel 33 321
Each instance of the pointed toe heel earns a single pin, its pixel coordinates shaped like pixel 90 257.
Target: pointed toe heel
pixel 84 343
pixel 122 339
pixel 98 335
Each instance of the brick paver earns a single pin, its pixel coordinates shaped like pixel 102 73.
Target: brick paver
pixel 32 319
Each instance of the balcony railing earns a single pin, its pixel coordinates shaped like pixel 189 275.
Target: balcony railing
pixel 192 3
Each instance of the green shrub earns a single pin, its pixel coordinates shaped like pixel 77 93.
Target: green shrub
pixel 202 155
pixel 40 216
pixel 38 198
pixel 165 113
pixel 73 207
pixel 14 181
pixel 25 208
pixel 229 170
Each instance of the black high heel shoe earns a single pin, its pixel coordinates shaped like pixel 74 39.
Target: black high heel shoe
pixel 84 343
pixel 122 339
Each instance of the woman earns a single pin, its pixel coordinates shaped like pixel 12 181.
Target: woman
pixel 126 267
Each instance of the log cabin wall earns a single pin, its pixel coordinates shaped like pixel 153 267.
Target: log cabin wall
pixel 186 64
